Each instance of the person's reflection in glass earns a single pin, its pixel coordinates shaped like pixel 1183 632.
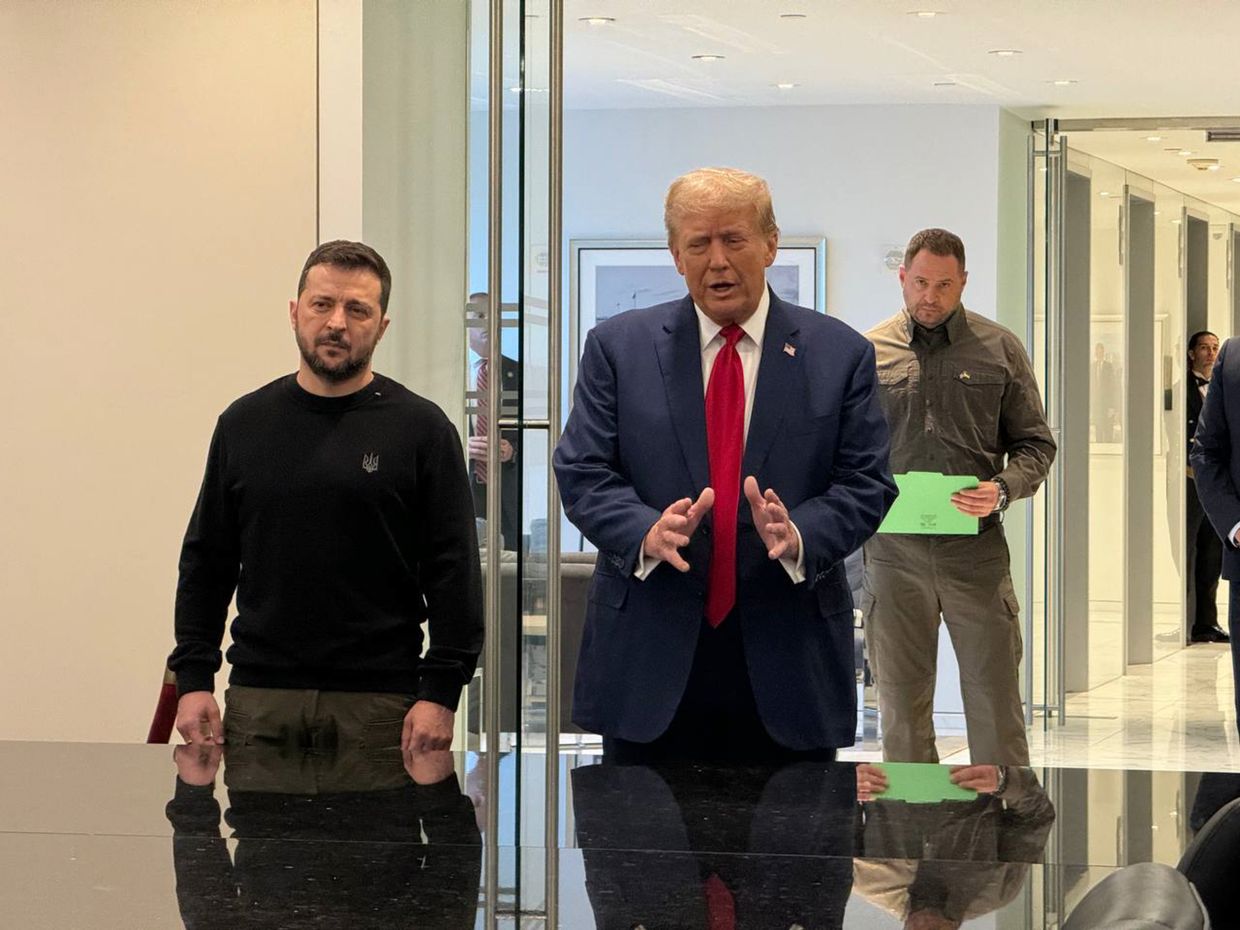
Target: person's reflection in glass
pixel 1214 792
pixel 323 840
pixel 935 864
pixel 705 846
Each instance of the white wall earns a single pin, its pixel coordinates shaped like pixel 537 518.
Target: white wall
pixel 157 183
pixel 865 177
pixel 414 160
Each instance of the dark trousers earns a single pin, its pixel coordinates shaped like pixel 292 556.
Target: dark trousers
pixel 717 720
pixel 1233 627
pixel 1203 563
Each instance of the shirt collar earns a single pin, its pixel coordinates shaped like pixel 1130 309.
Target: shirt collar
pixel 753 327
pixel 954 326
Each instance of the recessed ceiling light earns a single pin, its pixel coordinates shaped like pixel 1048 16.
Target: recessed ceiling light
pixel 1104 193
pixel 708 58
pixel 1185 152
pixel 1004 52
pixel 1062 82
pixel 1153 138
pixel 1213 167
pixel 597 20
pixel 793 16
pixel 787 85
pixel 944 83
pixel 926 14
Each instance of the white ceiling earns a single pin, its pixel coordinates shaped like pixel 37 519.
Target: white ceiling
pixel 1160 160
pixel 1128 58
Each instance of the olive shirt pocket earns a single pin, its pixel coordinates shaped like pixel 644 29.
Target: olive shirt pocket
pixel 978 396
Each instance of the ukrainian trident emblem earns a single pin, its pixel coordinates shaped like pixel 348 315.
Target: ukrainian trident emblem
pixel 370 462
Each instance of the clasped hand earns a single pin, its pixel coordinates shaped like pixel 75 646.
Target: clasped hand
pixel 677 524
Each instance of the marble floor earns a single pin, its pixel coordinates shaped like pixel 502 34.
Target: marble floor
pixel 1176 714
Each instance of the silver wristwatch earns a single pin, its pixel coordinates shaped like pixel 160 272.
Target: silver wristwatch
pixel 1004 495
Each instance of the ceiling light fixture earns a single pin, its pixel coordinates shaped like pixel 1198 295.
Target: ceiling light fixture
pixel 1063 82
pixel 1153 138
pixel 1237 180
pixel 793 16
pixel 1004 52
pixel 944 83
pixel 1185 152
pixel 597 20
pixel 787 85
pixel 708 58
pixel 1104 193
pixel 925 14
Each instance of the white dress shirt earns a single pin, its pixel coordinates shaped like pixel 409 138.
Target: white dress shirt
pixel 749 348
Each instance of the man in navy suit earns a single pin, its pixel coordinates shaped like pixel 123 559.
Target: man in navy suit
pixel 738 439
pixel 1215 458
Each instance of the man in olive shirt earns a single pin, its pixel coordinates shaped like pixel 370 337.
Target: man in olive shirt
pixel 960 398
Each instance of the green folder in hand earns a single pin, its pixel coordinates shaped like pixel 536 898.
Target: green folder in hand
pixel 921 783
pixel 925 505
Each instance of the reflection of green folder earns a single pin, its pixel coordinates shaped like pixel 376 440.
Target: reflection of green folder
pixel 921 783
pixel 925 505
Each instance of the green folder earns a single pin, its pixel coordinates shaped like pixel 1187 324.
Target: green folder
pixel 921 783
pixel 925 505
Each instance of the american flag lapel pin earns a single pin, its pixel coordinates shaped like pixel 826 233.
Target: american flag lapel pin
pixel 790 350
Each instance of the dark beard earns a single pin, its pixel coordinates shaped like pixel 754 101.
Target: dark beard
pixel 333 374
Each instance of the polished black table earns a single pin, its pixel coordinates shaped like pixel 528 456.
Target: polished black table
pixel 104 836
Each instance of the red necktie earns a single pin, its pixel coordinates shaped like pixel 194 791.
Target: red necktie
pixel 725 440
pixel 720 904
pixel 480 419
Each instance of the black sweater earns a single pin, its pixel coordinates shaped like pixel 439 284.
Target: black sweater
pixel 342 523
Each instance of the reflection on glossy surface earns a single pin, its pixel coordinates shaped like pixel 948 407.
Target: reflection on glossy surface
pixel 323 840
pixel 702 846
pixel 939 863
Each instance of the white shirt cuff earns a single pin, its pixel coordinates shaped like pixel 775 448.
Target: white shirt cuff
pixel 645 564
pixel 795 567
pixel 1231 537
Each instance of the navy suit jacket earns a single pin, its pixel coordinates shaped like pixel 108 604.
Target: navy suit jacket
pixel 1215 455
pixel 635 442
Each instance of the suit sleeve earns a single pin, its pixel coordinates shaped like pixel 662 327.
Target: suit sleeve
pixel 861 489
pixel 598 497
pixel 1211 454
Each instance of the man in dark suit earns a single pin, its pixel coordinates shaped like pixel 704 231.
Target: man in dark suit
pixel 703 847
pixel 1215 458
pixel 509 444
pixel 742 645
pixel 1203 549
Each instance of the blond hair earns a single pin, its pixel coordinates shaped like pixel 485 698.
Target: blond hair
pixel 718 189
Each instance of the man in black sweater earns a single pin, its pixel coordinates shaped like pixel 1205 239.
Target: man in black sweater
pixel 335 504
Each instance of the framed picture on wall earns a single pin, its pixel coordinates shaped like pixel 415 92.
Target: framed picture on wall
pixel 610 276
pixel 1106 383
